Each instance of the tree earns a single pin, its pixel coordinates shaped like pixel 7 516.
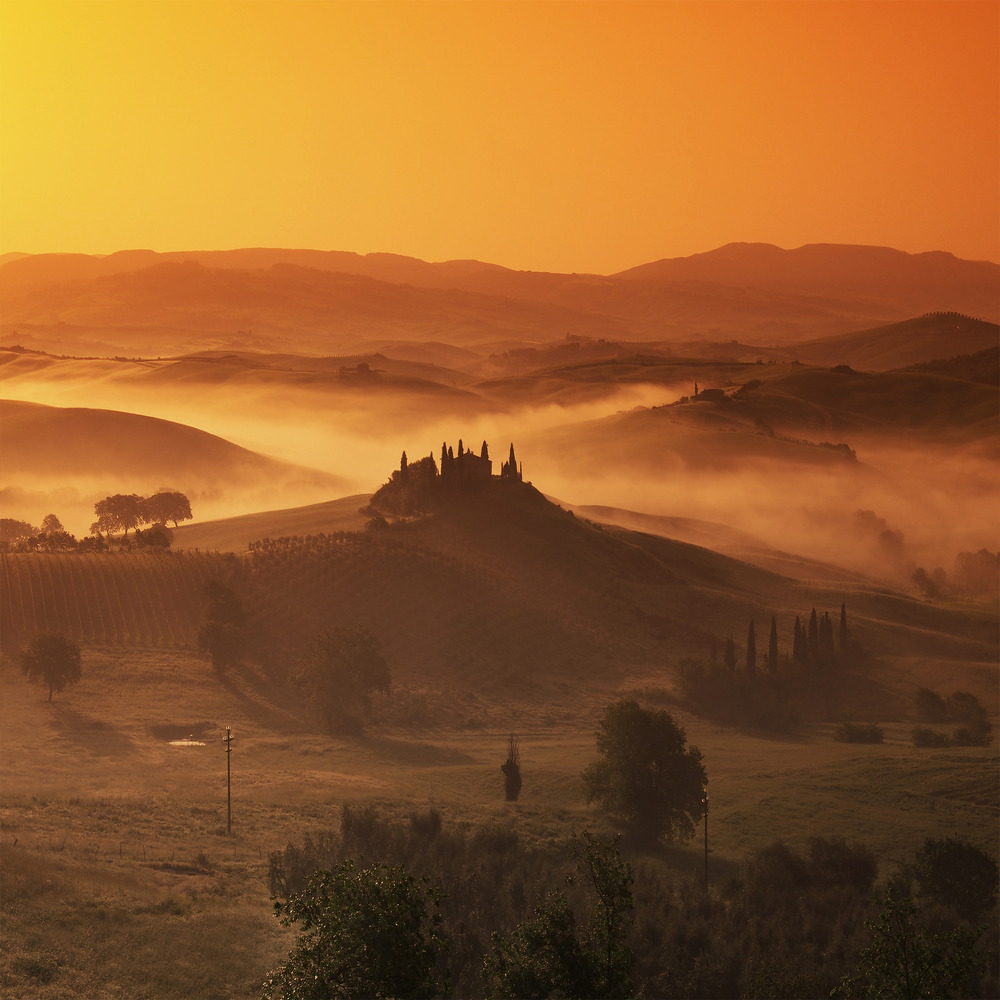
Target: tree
pixel 222 636
pixel 826 646
pixel 541 957
pixel 843 637
pixel 751 650
pixel 343 667
pixel 906 961
pixel 772 647
pixel 799 653
pixel 167 505
pixel 223 643
pixel 546 956
pixel 119 513
pixel 958 875
pixel 511 768
pixel 729 654
pixel 646 776
pixel 53 536
pixel 368 932
pixel 813 641
pixel 610 879
pixel 13 531
pixel 52 659
pixel 51 523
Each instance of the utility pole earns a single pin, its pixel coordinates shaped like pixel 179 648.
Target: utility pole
pixel 704 804
pixel 228 740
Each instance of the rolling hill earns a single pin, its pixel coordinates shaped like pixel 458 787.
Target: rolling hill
pixel 326 302
pixel 65 458
pixel 43 440
pixel 503 595
pixel 901 345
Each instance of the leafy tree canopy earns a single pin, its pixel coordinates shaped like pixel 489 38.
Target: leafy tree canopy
pixel 959 875
pixel 119 513
pixel 546 955
pixel 222 636
pixel 167 505
pixel 51 659
pixel 906 961
pixel 366 932
pixel 646 775
pixel 343 667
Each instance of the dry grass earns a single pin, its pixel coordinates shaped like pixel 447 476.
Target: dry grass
pixel 120 878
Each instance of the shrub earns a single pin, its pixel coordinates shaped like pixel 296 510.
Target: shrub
pixel 859 732
pixel 923 737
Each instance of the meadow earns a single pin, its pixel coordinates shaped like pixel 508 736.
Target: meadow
pixel 120 877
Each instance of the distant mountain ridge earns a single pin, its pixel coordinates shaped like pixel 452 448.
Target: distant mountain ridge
pixel 314 299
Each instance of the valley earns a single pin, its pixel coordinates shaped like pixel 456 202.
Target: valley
pixel 676 482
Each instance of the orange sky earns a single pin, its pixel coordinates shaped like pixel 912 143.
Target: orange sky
pixel 561 136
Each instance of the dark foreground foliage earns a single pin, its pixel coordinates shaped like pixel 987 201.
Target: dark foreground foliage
pixel 528 920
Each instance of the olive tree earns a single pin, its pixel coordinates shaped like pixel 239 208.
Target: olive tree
pixel 645 774
pixel 52 659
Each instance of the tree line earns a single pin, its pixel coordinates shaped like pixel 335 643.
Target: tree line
pixel 422 909
pixel 116 514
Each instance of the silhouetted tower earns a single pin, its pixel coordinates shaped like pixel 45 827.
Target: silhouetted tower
pixel 751 650
pixel 485 453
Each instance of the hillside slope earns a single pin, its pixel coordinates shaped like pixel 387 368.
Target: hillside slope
pixel 57 441
pixel 141 302
pixel 506 596
pixel 901 345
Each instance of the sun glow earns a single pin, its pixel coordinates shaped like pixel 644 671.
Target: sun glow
pixel 587 136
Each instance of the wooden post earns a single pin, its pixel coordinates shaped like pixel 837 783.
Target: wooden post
pixel 704 803
pixel 228 740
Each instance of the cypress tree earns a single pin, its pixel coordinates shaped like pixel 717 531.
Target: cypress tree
pixel 485 453
pixel 772 648
pixel 751 650
pixel 826 634
pixel 813 647
pixel 403 468
pixel 798 643
pixel 729 656
pixel 843 628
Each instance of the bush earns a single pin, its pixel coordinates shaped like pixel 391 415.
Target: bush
pixel 859 732
pixel 930 738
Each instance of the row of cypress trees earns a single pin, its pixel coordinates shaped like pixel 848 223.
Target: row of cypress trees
pixel 811 644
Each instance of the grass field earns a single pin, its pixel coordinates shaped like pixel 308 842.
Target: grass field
pixel 120 878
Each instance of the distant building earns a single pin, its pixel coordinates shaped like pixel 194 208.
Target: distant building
pixel 466 468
